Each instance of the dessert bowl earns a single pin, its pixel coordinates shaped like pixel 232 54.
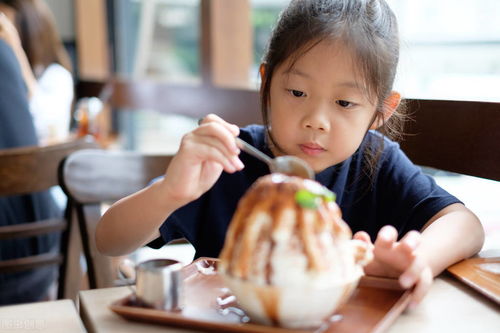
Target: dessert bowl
pixel 288 256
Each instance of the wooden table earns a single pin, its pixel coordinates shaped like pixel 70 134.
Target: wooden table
pixel 56 316
pixel 450 306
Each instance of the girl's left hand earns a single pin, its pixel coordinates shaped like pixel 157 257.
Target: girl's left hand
pixel 399 259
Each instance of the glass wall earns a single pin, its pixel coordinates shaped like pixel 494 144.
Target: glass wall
pixel 158 39
pixel 264 15
pixel 450 49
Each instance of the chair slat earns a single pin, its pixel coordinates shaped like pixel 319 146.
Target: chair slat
pixel 25 263
pixel 17 170
pixel 32 229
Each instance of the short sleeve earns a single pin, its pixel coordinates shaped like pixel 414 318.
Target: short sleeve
pixel 408 198
pixel 183 223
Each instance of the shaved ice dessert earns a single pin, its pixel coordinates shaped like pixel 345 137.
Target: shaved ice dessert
pixel 288 256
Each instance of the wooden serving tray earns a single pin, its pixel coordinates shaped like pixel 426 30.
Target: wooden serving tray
pixel 209 306
pixel 481 274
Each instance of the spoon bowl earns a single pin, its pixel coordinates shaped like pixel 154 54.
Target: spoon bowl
pixel 293 166
pixel 288 165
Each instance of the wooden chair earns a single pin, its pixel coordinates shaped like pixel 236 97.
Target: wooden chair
pixel 32 169
pixel 238 106
pixel 92 177
pixel 456 136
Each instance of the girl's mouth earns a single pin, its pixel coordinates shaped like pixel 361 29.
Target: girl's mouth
pixel 311 149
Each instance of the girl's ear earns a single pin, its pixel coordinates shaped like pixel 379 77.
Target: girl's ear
pixel 262 71
pixel 390 105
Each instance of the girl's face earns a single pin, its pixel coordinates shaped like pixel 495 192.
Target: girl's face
pixel 319 109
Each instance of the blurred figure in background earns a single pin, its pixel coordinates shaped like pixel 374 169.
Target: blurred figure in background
pixel 17 130
pixel 28 27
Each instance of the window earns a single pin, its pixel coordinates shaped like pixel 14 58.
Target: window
pixel 264 15
pixel 450 49
pixel 158 39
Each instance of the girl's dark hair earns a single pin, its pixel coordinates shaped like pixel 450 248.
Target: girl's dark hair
pixel 367 27
pixel 38 34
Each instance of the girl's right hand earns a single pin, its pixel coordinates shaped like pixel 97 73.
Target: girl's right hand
pixel 203 154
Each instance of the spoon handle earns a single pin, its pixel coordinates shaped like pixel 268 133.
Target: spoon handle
pixel 253 151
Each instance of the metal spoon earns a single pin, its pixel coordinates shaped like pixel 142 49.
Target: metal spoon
pixel 289 165
pixel 126 274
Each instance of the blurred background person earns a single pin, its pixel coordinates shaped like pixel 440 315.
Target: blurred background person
pixel 28 27
pixel 17 130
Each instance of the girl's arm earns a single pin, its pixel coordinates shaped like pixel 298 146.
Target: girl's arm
pixel 453 234
pixel 203 154
pixel 134 220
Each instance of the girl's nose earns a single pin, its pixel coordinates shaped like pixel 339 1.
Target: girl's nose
pixel 317 120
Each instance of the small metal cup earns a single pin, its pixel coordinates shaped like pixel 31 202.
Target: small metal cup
pixel 159 284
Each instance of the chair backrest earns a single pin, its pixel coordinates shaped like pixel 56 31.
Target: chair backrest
pixel 28 170
pixel 91 177
pixel 456 136
pixel 238 106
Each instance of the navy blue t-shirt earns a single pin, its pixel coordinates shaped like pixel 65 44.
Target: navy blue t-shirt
pixel 396 193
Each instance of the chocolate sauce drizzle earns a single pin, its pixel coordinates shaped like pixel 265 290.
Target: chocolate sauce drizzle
pixel 270 197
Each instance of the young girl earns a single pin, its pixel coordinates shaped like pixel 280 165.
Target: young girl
pixel 326 86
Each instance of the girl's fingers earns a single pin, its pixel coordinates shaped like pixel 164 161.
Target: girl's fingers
pixel 220 131
pixel 210 148
pixel 235 130
pixel 410 241
pixel 411 275
pixel 215 155
pixel 362 236
pixel 397 256
pixel 386 237
pixel 422 287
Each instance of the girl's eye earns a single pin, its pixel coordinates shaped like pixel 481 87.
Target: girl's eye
pixel 344 104
pixel 297 93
